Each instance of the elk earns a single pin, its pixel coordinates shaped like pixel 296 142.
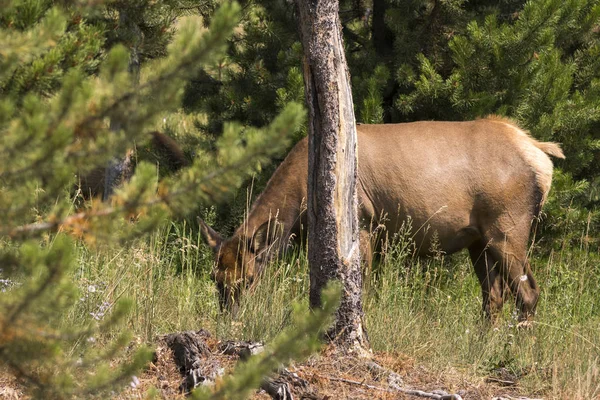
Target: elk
pixel 478 185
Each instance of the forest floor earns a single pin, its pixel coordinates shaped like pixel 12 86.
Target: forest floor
pixel 333 374
pixel 423 318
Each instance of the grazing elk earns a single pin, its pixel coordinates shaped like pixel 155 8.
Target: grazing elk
pixel 478 185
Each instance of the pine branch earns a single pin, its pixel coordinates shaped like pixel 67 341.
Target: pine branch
pixel 53 226
pixel 353 36
pixel 30 298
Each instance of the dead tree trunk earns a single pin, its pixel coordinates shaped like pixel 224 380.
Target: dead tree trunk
pixel 120 168
pixel 333 232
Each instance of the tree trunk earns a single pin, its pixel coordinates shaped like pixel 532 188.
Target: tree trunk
pixel 333 233
pixel 379 32
pixel 120 168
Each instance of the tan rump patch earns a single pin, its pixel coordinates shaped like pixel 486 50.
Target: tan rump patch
pixel 500 118
pixel 533 152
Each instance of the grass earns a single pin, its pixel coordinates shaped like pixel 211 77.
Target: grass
pixel 428 310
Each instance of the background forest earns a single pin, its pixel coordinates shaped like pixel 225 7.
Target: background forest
pixel 80 81
pixel 535 62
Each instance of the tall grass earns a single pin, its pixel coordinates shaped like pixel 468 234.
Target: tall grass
pixel 431 312
pixel 428 309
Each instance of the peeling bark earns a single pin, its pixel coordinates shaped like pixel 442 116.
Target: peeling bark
pixel 333 232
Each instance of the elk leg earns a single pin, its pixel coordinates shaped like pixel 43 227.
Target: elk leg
pixel 522 282
pixel 366 255
pixel 366 250
pixel 517 272
pixel 492 284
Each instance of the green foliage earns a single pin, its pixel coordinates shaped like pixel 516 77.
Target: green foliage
pixel 259 75
pixel 371 110
pixel 64 83
pixel 423 313
pixel 78 45
pixel 262 58
pixel 45 141
pixel 31 343
pixel 535 67
pixel 299 340
pixel 534 61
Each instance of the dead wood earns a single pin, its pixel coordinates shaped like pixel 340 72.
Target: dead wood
pixel 193 358
pixel 277 389
pixel 280 387
pixel 393 379
pixel 189 348
pixel 241 348
pixel 436 394
pixel 196 362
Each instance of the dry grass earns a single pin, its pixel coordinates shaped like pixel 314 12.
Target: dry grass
pixel 423 318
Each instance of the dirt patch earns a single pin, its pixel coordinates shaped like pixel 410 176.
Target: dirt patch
pixel 331 374
pixel 9 387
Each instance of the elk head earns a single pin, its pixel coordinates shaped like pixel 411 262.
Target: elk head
pixel 238 260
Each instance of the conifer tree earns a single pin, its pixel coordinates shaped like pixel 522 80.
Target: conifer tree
pixel 537 65
pixel 534 61
pixel 58 96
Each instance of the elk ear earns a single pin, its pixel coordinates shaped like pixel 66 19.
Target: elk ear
pixel 212 238
pixel 263 237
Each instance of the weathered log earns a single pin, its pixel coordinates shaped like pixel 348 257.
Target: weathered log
pixel 194 378
pixel 197 364
pixel 189 348
pixel 277 389
pixel 191 354
pixel 280 387
pixel 242 349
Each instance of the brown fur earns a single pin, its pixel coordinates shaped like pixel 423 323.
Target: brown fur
pixel 477 185
pixel 170 148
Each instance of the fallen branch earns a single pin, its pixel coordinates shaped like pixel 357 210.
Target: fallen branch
pixel 503 382
pixel 440 395
pixel 395 382
pixel 277 389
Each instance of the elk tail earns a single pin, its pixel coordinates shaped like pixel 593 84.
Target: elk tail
pixel 551 148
